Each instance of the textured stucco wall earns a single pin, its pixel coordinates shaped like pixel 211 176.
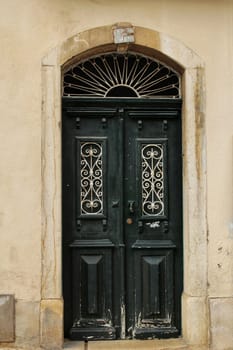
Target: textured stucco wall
pixel 28 29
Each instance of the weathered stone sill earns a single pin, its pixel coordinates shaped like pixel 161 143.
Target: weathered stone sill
pixel 168 344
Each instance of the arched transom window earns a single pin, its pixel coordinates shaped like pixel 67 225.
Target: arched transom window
pixel 121 75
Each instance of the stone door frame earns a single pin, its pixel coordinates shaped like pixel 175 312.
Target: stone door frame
pixel 176 54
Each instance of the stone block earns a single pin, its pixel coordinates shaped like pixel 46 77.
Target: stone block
pixel 51 328
pixel 155 344
pixel 195 320
pixel 27 323
pixel 221 323
pixel 7 318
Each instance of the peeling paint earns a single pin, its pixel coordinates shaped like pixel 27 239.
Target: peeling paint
pixel 123 320
pixel 154 224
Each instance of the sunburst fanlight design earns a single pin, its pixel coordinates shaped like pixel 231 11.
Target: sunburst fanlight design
pixel 121 75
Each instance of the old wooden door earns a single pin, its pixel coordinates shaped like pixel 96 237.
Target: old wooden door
pixel 122 218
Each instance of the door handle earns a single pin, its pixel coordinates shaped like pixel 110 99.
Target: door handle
pixel 131 205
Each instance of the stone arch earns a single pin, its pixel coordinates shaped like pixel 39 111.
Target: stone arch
pixel 177 55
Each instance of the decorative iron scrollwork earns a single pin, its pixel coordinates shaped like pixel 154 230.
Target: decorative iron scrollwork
pixel 121 75
pixel 152 179
pixel 91 192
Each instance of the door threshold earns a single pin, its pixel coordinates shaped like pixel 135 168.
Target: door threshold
pixel 155 344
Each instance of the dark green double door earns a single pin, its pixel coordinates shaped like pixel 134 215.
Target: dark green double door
pixel 122 222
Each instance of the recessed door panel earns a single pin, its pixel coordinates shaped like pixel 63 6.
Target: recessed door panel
pixel 154 299
pixel 122 219
pixel 92 293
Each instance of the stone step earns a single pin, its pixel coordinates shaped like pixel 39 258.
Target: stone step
pixel 156 344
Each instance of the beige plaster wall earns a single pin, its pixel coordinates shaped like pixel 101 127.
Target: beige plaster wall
pixel 28 30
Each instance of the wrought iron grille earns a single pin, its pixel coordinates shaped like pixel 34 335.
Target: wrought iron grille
pixel 121 75
pixel 152 180
pixel 91 178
